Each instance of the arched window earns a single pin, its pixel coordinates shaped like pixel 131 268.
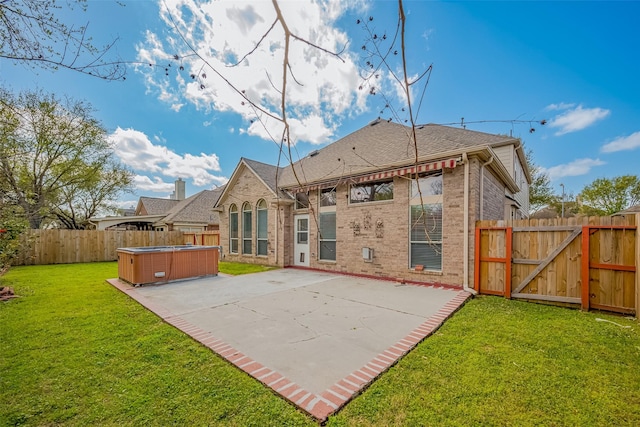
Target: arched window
pixel 233 229
pixel 261 227
pixel 246 228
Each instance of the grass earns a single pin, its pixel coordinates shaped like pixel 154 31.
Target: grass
pixel 75 351
pixel 237 268
pixel 511 363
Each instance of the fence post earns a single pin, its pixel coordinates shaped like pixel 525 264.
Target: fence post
pixel 584 271
pixel 476 262
pixel 508 250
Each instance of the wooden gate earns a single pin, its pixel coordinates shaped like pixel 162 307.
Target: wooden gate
pixel 543 260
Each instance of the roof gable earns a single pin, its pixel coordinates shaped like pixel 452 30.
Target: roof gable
pixel 267 174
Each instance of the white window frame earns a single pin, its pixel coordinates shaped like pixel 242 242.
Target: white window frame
pixel 327 209
pixel 261 208
pixel 427 199
pixel 370 184
pixel 233 211
pixel 246 209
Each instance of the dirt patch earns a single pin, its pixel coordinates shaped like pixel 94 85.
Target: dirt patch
pixel 6 293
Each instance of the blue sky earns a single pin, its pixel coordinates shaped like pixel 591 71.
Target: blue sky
pixel 574 64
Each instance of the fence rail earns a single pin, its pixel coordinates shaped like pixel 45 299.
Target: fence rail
pixel 76 246
pixel 591 261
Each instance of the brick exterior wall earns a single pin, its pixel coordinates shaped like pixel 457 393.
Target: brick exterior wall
pixel 382 226
pixel 248 188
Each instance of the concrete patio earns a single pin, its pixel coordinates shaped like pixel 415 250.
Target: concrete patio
pixel 315 338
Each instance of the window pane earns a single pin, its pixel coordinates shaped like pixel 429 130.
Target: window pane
pixel 246 224
pixel 383 191
pixel 262 247
pixel 328 225
pixel 429 186
pixel 428 255
pixel 234 246
pixel 328 250
pixel 303 237
pixel 262 224
pixel 426 223
pixel 303 224
pixel 246 246
pixel 233 225
pixel 302 201
pixel 371 192
pixel 328 197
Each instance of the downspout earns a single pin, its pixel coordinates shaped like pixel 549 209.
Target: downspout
pixel 482 186
pixel 465 258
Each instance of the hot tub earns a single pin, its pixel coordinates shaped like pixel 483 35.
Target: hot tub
pixel 161 264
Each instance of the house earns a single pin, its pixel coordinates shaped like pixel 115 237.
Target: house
pixel 632 210
pixel 374 204
pixel 194 213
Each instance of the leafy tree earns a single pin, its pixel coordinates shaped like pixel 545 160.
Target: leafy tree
pixel 540 191
pixel 12 224
pixel 32 34
pixel 606 196
pixel 55 160
pixel 571 205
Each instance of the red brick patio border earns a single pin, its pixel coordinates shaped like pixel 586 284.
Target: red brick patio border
pixel 335 397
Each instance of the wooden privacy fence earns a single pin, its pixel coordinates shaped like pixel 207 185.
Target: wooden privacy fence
pixel 74 246
pixel 590 261
pixel 204 238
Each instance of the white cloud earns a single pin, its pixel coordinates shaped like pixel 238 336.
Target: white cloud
pixel 575 168
pixel 311 128
pixel 177 107
pixel 574 119
pixel 136 151
pixel 622 143
pixel 224 32
pixel 560 106
pixel 157 185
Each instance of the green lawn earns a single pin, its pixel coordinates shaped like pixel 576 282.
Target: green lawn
pixel 236 268
pixel 75 351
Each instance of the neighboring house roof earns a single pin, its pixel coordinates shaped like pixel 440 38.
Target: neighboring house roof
pixel 154 206
pixel 382 145
pixel 195 209
pixel 629 211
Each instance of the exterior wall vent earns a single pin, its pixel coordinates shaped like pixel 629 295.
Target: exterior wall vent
pixel 367 254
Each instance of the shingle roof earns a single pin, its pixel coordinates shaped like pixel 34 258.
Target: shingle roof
pixel 631 210
pixel 156 206
pixel 380 145
pixel 197 208
pixel 268 173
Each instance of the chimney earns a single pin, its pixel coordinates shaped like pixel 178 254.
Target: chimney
pixel 178 193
